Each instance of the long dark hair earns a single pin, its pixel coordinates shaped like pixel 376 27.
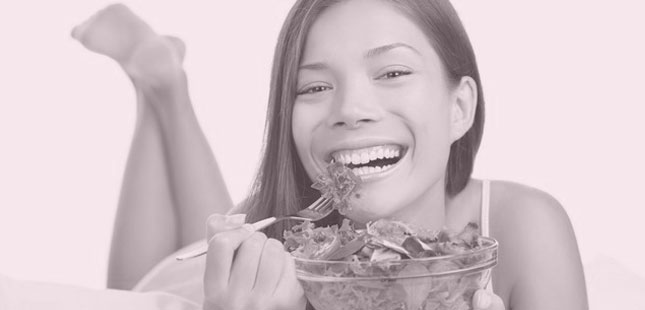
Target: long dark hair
pixel 282 185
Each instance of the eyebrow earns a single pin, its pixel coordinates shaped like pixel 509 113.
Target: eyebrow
pixel 385 48
pixel 369 54
pixel 314 66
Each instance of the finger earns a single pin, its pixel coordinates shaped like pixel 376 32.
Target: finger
pixel 245 265
pixel 272 263
pixel 289 291
pixel 487 300
pixel 217 223
pixel 221 251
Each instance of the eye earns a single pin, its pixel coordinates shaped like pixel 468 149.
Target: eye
pixel 313 90
pixel 393 74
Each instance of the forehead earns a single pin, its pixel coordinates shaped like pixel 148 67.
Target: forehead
pixel 358 25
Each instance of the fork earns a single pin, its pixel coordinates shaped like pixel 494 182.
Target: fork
pixel 318 210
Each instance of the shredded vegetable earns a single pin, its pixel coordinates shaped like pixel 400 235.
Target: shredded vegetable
pixel 339 183
pixel 367 256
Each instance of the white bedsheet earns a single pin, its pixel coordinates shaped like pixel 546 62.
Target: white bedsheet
pixel 23 295
pixel 609 284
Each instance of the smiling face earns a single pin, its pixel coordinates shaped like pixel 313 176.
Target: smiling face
pixel 372 94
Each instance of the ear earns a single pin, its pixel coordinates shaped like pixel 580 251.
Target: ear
pixel 464 105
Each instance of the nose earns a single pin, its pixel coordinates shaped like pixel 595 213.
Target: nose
pixel 354 105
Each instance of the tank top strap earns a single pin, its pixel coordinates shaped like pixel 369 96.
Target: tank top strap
pixel 485 219
pixel 485 210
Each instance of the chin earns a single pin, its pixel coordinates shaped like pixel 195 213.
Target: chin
pixel 364 212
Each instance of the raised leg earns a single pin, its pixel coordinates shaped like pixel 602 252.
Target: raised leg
pixel 172 181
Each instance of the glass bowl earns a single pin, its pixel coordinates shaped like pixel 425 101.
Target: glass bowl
pixel 433 283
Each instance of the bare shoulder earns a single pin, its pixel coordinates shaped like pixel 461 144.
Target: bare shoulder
pixel 524 217
pixel 514 196
pixel 538 251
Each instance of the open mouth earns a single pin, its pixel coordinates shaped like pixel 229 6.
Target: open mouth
pixel 370 160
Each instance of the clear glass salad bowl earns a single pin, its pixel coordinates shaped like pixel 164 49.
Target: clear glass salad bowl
pixel 432 283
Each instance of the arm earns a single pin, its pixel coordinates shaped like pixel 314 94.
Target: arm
pixel 172 182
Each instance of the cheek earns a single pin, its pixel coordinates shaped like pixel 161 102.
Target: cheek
pixel 430 122
pixel 299 130
pixel 433 139
pixel 429 117
pixel 435 128
pixel 302 127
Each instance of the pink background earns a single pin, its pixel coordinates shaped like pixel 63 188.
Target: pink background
pixel 562 80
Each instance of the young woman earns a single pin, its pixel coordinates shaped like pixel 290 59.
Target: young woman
pixel 350 79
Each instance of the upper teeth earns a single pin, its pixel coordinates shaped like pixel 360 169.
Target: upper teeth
pixel 365 155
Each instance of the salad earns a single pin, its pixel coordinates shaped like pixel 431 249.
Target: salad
pixel 388 265
pixel 381 240
pixel 385 264
pixel 339 184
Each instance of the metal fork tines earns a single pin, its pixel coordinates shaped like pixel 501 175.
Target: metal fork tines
pixel 314 212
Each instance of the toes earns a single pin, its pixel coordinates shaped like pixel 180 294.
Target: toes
pixel 79 31
pixel 117 10
pixel 114 31
pixel 179 46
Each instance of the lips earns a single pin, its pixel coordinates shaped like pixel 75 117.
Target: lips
pixel 370 160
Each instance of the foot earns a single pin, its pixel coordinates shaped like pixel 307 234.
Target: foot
pixel 118 33
pixel 114 31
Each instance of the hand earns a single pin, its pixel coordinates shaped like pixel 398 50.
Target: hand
pixel 246 270
pixel 487 300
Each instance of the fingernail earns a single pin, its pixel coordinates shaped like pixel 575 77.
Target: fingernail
pixel 249 227
pixel 238 218
pixel 482 300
